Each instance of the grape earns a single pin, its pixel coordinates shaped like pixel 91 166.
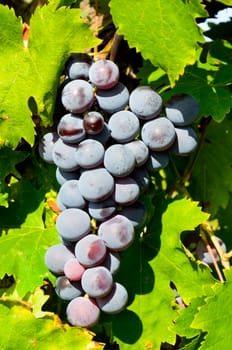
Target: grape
pixel 140 151
pixel 136 213
pixel 203 254
pixel 62 176
pixel 66 289
pixel 77 96
pixel 97 281
pixel 93 122
pixel 89 153
pixel 102 136
pixel 46 146
pixel 69 195
pixel 104 74
pixel 73 270
pixel 96 184
pixel 117 232
pixel 158 134
pixel 71 128
pixel 64 156
pixel 114 99
pixel 145 102
pixel 126 191
pixel 142 178
pixel 182 109
pixel 83 312
pixel 56 256
pixel 115 301
pixel 72 224
pixel 112 262
pixel 124 126
pixel 102 210
pixel 90 250
pixel 119 160
pixel 186 141
pixel 77 66
pixel 157 160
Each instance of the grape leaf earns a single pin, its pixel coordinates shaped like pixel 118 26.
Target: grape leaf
pixel 148 319
pixel 35 72
pixel 214 162
pixel 24 331
pixel 163 31
pixel 26 239
pixel 214 318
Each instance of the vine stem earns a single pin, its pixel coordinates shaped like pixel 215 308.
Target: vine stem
pixel 18 301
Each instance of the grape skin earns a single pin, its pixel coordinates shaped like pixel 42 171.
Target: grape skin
pixel 117 232
pixel 67 290
pixel 62 176
pixel 46 146
pixel 72 224
pixel 90 250
pixel 77 96
pixel 158 134
pixel 140 151
pixel 126 191
pixel 71 128
pixel 136 213
pixel 77 66
pixel 186 141
pixel 73 270
pixel 112 262
pixel 89 153
pixel 97 281
pixel 119 160
pixel 203 254
pixel 64 156
pixel 69 196
pixel 145 102
pixel 93 122
pixel 104 74
pixel 114 99
pixel 56 256
pixel 114 302
pixel 102 210
pixel 157 160
pixel 124 126
pixel 182 109
pixel 83 312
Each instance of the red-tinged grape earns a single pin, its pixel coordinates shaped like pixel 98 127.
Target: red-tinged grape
pixel 77 96
pixel 73 270
pixel 104 74
pixel 115 301
pixel 71 128
pixel 97 281
pixel 145 102
pixel 93 122
pixel 56 257
pixel 83 312
pixel 90 250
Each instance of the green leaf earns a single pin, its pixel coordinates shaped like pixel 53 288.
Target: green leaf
pixel 215 318
pixel 35 72
pixel 165 32
pixel 23 246
pixel 211 179
pixel 150 267
pixel 26 332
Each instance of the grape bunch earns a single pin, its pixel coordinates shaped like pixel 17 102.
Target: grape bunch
pixel 105 147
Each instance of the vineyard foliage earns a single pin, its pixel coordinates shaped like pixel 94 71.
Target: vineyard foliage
pixel 157 43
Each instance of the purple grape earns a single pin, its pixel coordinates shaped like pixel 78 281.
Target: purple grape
pixel 83 312
pixel 46 146
pixel 203 254
pixel 72 224
pixel 69 195
pixel 124 126
pixel 186 141
pixel 77 66
pixel 56 256
pixel 90 250
pixel 114 99
pixel 117 232
pixel 142 178
pixel 71 128
pixel 97 281
pixel 145 102
pixel 102 210
pixel 157 160
pixel 62 176
pixel 73 270
pixel 93 122
pixel 102 136
pixel 96 184
pixel 140 151
pixel 90 153
pixel 136 213
pixel 112 262
pixel 104 74
pixel 77 96
pixel 119 160
pixel 115 301
pixel 126 191
pixel 66 289
pixel 158 134
pixel 64 156
pixel 182 109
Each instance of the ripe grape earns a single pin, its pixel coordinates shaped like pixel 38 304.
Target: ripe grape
pixel 114 99
pixel 71 129
pixel 69 195
pixel 140 151
pixel 115 301
pixel 89 153
pixel 83 312
pixel 112 262
pixel 136 213
pixel 64 156
pixel 66 289
pixel 62 175
pixel 77 96
pixel 124 126
pixel 102 210
pixel 90 250
pixel 104 74
pixel 73 269
pixel 145 102
pixel 142 178
pixel 158 134
pixel 182 109
pixel 46 146
pixel 72 224
pixel 56 256
pixel 97 281
pixel 186 141
pixel 119 160
pixel 126 191
pixel 93 122
pixel 77 66
pixel 203 254
pixel 157 160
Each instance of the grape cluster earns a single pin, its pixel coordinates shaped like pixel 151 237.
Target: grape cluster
pixel 105 148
